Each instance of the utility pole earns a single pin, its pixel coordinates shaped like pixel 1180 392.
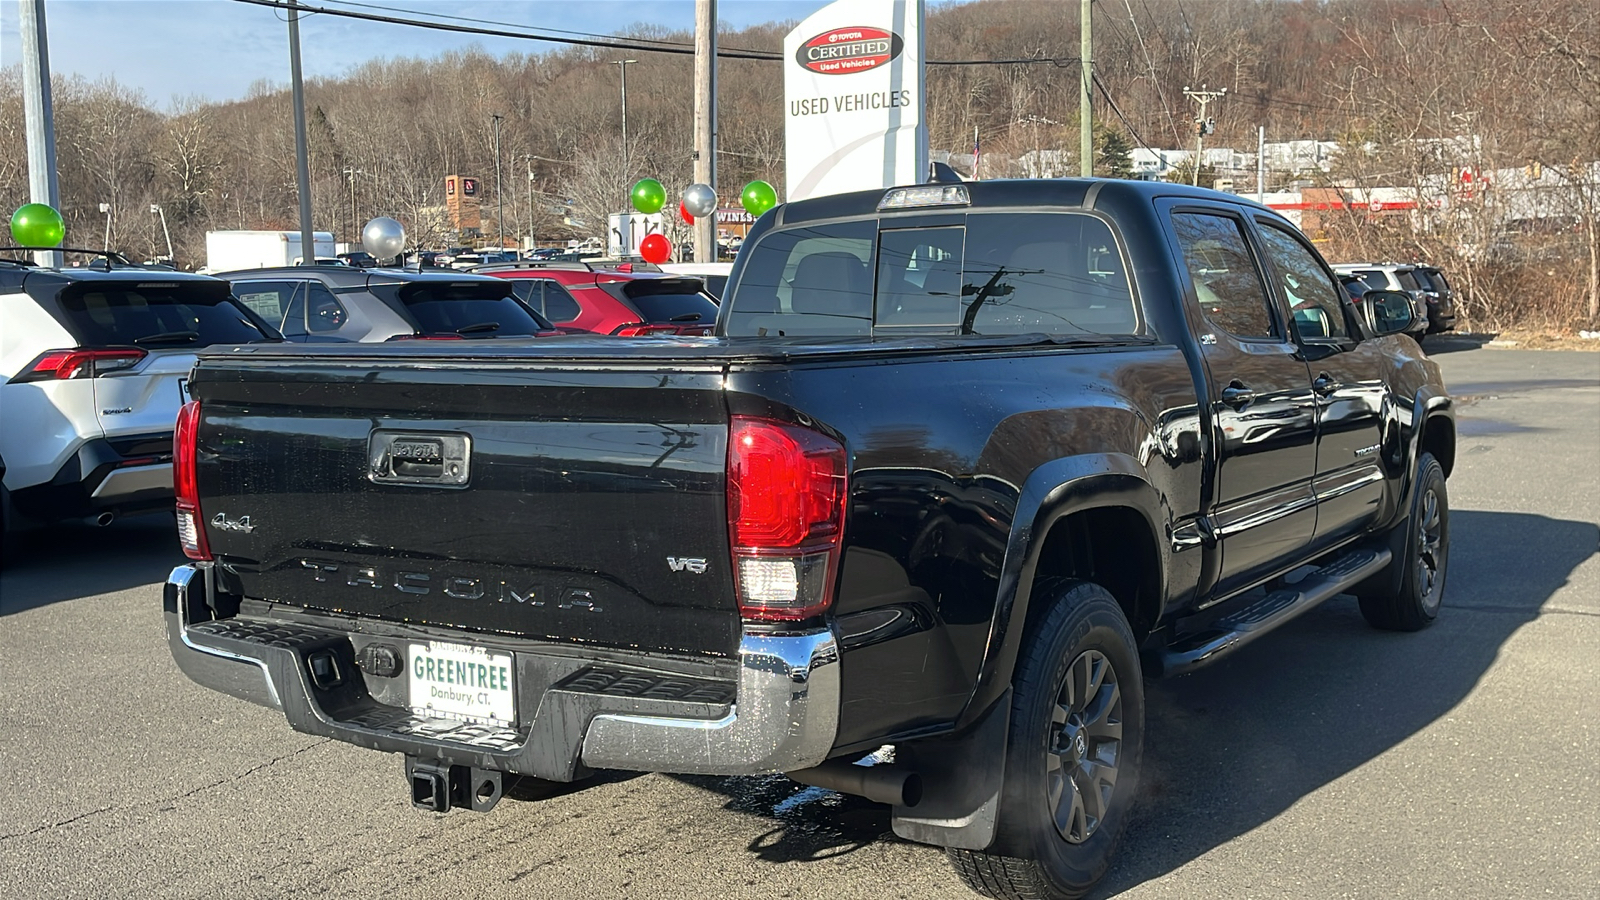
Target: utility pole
pixel 1203 125
pixel 351 172
pixel 1085 113
pixel 622 66
pixel 499 198
pixel 705 121
pixel 106 208
pixel 156 208
pixel 302 157
pixel 1261 164
pixel 39 116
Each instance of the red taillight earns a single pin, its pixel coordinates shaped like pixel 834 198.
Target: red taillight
pixel 786 502
pixel 60 365
pixel 186 486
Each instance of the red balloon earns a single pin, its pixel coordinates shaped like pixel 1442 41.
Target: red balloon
pixel 684 211
pixel 655 248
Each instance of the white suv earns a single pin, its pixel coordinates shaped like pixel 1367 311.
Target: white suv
pixel 93 367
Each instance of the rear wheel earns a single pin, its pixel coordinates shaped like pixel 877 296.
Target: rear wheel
pixel 1407 595
pixel 1072 760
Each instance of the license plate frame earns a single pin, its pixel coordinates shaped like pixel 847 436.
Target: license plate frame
pixel 463 682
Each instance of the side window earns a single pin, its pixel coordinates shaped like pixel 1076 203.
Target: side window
pixel 323 312
pixel 1313 298
pixel 1373 279
pixel 558 304
pixel 1056 273
pixel 919 278
pixel 1225 278
pixel 527 290
pixel 275 302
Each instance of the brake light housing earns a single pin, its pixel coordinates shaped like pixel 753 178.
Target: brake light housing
pixel 186 484
pixel 66 365
pixel 787 493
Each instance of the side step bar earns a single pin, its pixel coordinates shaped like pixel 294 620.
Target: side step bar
pixel 1239 628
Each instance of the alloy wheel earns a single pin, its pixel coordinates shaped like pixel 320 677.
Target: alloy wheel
pixel 1084 745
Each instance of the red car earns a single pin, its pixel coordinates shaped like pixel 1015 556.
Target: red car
pixel 581 297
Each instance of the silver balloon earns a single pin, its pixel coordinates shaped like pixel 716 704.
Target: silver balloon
pixel 700 200
pixel 384 238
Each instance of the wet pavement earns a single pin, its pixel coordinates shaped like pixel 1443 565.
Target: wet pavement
pixel 1328 760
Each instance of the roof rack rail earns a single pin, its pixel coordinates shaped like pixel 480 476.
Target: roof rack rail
pixel 111 257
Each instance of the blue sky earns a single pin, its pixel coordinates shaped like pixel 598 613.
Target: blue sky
pixel 215 49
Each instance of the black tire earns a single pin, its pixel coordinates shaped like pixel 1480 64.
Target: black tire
pixel 1407 595
pixel 1084 632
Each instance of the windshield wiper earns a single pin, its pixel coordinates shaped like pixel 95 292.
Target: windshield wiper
pixel 479 328
pixel 168 337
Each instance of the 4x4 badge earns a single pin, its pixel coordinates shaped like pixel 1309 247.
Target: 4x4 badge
pixel 222 522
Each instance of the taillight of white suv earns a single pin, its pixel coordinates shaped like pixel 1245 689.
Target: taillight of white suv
pixel 62 365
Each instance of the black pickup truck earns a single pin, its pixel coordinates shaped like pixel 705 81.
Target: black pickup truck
pixel 962 466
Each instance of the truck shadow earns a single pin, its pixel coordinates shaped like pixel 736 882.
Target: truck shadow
pixel 65 562
pixel 811 824
pixel 1233 746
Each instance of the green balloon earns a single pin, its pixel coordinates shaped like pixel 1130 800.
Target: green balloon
pixel 37 225
pixel 649 196
pixel 758 197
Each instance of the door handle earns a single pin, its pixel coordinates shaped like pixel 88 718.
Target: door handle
pixel 1324 385
pixel 1237 395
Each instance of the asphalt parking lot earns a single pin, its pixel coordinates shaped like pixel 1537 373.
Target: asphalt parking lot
pixel 1329 760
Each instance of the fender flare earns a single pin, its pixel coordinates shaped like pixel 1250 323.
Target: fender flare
pixel 1052 492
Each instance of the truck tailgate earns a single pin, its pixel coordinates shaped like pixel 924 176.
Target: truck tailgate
pixel 543 500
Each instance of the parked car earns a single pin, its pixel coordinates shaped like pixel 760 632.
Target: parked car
pixel 1441 299
pixel 960 468
pixel 715 275
pixel 619 301
pixel 1394 277
pixel 311 304
pixel 93 365
pixel 360 259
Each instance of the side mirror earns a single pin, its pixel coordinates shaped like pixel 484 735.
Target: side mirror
pixel 1391 311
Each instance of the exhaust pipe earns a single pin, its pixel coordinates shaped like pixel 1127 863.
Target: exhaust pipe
pixel 880 784
pixel 105 518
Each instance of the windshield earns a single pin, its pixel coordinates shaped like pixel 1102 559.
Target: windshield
pixel 158 314
pixel 471 309
pixel 665 300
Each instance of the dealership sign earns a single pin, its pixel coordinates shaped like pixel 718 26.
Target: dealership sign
pixel 853 91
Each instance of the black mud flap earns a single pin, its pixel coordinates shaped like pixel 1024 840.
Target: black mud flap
pixel 437 786
pixel 961 781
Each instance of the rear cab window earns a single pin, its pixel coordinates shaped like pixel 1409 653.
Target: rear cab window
pixel 1054 273
pixel 471 309
pixel 158 314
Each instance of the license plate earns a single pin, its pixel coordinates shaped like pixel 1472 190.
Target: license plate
pixel 458 681
pixel 183 391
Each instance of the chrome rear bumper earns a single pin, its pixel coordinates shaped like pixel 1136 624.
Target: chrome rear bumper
pixel 784 713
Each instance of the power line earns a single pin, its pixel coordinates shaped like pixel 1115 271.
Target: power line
pixel 1150 62
pixel 589 39
pixel 611 43
pixel 1114 108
